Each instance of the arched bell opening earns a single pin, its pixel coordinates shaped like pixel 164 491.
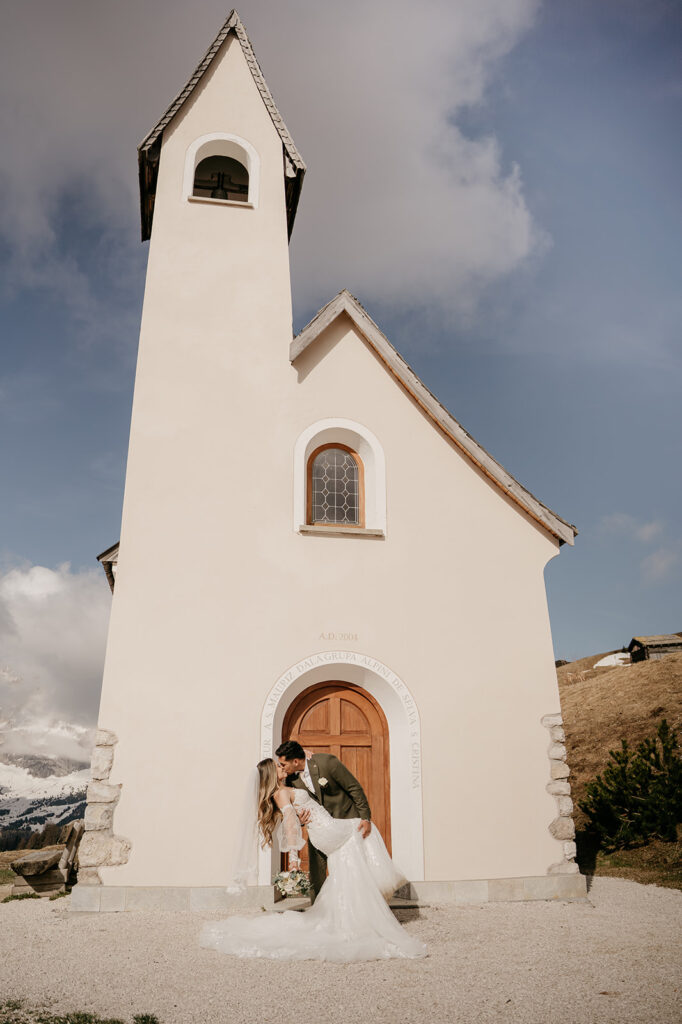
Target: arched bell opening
pixel 221 167
pixel 221 177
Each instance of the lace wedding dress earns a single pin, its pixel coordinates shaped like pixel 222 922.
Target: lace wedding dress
pixel 350 919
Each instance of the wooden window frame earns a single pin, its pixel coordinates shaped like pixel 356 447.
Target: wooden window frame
pixel 360 525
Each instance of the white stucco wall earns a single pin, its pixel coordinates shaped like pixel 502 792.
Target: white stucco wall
pixel 217 594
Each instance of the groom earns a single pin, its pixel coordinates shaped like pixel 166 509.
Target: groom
pixel 333 786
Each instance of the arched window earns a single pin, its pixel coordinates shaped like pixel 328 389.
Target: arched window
pixel 367 514
pixel 335 487
pixel 221 177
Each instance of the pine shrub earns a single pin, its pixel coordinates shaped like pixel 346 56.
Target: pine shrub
pixel 639 795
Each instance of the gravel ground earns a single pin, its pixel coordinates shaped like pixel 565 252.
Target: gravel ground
pixel 615 959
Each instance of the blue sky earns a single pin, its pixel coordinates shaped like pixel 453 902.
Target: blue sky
pixel 543 308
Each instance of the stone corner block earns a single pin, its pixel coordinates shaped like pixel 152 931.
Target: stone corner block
pixel 563 867
pixel 99 848
pixel 93 850
pixel 98 816
pixel 570 851
pixel 103 792
pixel 104 738
pixel 119 850
pixel 101 762
pixel 550 720
pixel 557 734
pixel 562 828
pixel 559 787
pixel 557 751
pixel 559 770
pixel 88 876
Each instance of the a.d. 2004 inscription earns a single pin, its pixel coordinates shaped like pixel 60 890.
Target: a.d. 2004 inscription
pixel 339 636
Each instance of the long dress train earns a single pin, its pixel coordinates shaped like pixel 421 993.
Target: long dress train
pixel 350 919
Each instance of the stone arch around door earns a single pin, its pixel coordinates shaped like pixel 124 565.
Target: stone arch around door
pixel 405 750
pixel 339 718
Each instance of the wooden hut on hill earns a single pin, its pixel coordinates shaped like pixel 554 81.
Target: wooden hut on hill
pixel 651 648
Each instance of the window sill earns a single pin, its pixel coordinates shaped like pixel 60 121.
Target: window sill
pixel 341 531
pixel 219 202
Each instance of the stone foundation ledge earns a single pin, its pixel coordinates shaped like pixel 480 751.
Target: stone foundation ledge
pixel 117 898
pixel 501 890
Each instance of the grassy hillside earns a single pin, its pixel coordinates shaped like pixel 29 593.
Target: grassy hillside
pixel 602 706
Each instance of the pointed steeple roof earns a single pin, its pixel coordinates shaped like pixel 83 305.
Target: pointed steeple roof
pixel 346 303
pixel 150 148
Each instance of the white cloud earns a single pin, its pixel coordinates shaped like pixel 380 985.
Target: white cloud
pixel 627 525
pixel 617 522
pixel 398 203
pixel 660 565
pixel 403 205
pixel 648 531
pixel 52 635
pixel 36 584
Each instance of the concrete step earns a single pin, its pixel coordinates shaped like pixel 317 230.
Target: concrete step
pixel 400 903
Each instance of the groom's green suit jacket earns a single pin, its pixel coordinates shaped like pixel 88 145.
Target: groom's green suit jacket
pixel 342 795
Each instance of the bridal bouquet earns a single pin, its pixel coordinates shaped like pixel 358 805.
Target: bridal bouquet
pixel 293 883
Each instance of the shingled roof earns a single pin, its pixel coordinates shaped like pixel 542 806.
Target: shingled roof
pixel 149 150
pixel 660 640
pixel 344 302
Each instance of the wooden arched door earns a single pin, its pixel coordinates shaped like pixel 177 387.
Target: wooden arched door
pixel 342 719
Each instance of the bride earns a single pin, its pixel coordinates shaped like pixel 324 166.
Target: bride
pixel 350 919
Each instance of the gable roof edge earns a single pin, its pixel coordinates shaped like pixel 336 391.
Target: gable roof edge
pixel 345 302
pixel 149 148
pixel 108 559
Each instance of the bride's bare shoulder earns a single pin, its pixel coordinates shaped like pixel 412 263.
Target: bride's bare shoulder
pixel 283 796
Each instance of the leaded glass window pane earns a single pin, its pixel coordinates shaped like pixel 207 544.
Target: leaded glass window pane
pixel 335 487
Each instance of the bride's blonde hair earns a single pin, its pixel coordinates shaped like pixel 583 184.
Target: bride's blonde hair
pixel 269 814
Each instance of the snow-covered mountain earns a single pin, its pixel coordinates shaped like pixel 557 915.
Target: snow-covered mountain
pixel 37 791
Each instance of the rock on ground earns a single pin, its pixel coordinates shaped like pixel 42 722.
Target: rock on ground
pixel 614 958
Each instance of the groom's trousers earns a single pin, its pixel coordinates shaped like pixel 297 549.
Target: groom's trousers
pixel 317 863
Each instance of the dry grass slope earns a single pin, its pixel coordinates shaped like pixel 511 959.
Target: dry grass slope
pixel 602 706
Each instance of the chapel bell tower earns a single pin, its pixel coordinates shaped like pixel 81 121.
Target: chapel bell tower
pixel 220 179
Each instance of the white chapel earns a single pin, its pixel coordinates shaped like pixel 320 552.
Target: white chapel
pixel 311 547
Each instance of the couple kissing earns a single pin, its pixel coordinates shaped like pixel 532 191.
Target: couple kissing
pixel 350 919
